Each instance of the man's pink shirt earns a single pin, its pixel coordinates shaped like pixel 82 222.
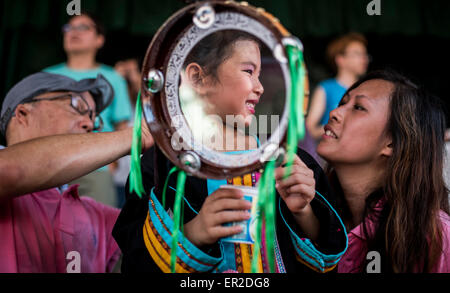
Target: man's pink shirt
pixel 44 232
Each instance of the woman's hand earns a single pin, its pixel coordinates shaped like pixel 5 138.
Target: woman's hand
pixel 225 205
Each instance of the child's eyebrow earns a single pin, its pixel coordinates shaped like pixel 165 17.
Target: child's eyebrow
pixel 249 63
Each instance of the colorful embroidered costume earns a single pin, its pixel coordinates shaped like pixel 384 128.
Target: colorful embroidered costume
pixel 143 229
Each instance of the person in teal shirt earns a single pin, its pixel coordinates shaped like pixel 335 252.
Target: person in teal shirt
pixel 119 112
pixel 348 56
pixel 83 37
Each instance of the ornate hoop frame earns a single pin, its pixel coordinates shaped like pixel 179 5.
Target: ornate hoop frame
pixel 163 63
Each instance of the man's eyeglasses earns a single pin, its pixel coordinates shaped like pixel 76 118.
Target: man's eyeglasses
pixel 79 104
pixel 79 28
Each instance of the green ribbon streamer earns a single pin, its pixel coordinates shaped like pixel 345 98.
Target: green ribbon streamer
pixel 296 126
pixel 266 210
pixel 177 215
pixel 259 214
pixel 173 170
pixel 178 218
pixel 136 179
pixel 136 148
pixel 270 215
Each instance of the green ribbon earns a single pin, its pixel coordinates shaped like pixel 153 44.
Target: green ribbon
pixel 178 211
pixel 265 209
pixel 136 149
pixel 296 124
pixel 177 216
pixel 137 186
pixel 270 215
pixel 173 170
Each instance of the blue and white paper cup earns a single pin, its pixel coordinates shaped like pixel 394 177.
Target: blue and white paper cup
pixel 249 226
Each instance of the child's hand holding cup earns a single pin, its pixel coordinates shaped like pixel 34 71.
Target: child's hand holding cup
pixel 249 226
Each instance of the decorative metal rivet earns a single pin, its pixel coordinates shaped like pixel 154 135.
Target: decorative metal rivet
pixel 244 3
pixel 154 81
pixel 279 54
pixel 175 144
pixel 204 17
pixel 191 160
pixel 293 41
pixel 269 153
pixel 260 10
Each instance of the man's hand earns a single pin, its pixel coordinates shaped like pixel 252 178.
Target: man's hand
pixel 222 206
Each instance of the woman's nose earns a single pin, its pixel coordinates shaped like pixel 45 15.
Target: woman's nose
pixel 336 114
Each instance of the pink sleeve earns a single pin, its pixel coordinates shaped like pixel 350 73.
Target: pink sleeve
pixel 443 265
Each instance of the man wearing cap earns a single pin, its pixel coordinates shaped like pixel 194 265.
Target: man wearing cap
pixel 45 122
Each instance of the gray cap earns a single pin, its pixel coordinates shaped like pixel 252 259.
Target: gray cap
pixel 43 82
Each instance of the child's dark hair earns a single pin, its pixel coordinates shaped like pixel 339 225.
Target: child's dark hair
pixel 213 50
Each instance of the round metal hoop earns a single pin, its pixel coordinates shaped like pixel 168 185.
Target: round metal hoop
pixel 164 60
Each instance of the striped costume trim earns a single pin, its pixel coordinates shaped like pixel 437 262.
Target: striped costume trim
pixel 159 252
pixel 307 253
pixel 278 258
pixel 311 259
pixel 166 229
pixel 243 251
pixel 243 255
pixel 329 269
pixel 158 238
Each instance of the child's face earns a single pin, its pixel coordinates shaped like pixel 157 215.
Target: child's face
pixel 237 89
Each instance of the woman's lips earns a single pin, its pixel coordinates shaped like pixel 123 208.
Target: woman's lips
pixel 329 133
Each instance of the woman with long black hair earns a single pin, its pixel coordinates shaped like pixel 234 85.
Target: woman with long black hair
pixel 385 145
